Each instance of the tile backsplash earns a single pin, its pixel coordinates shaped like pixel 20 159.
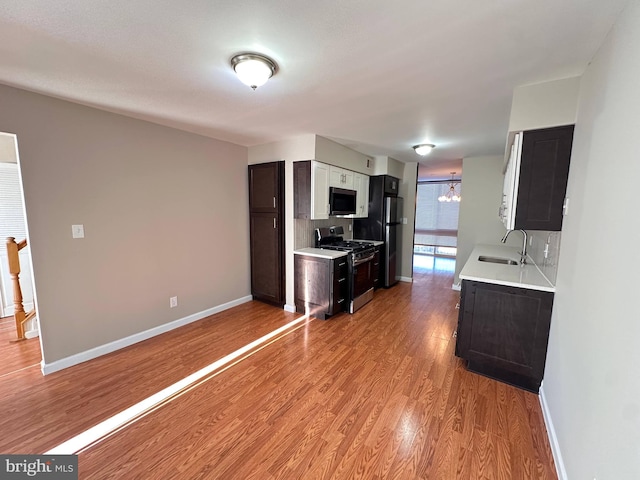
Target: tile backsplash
pixel 548 265
pixel 304 230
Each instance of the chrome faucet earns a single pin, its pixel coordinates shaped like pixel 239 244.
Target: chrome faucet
pixel 523 253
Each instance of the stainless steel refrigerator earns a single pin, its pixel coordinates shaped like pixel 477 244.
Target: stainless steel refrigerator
pixel 383 223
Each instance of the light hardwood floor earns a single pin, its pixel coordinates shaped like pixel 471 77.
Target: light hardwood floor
pixel 18 355
pixel 374 395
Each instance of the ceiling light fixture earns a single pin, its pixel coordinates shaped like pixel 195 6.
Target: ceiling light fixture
pixel 424 148
pixel 253 69
pixel 451 195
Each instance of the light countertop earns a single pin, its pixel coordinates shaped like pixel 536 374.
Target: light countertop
pixel 523 276
pixel 320 252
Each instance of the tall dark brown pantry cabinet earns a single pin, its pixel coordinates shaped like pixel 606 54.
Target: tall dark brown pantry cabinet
pixel 266 214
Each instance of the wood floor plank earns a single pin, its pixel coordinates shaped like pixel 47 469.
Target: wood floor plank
pixel 374 395
pixel 16 356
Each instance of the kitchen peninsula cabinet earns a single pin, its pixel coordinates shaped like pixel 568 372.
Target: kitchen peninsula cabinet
pixel 321 285
pixel 503 332
pixel 266 228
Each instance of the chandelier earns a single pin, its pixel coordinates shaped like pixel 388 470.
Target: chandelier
pixel 451 195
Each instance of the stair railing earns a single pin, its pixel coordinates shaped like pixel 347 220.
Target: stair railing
pixel 19 314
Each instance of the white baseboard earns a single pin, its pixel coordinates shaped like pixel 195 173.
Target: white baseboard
pixel 456 286
pixel 48 368
pixel 405 279
pixel 290 308
pixel 553 439
pixel 32 333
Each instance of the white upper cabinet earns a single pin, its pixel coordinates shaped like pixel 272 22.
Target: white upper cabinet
pixel 341 178
pixel 507 211
pixel 361 186
pixel 312 182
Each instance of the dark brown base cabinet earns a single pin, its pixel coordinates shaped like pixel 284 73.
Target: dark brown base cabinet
pixel 321 285
pixel 376 270
pixel 503 332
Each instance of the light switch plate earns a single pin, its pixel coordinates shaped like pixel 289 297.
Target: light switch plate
pixel 404 220
pixel 77 231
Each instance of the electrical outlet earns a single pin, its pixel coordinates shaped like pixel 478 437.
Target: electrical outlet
pixel 77 231
pixel 349 227
pixel 173 302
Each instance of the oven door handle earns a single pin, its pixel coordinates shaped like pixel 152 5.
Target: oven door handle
pixel 360 261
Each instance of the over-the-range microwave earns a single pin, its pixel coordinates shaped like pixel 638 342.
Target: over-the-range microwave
pixel 342 201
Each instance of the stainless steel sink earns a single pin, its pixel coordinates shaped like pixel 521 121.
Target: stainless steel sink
pixel 504 261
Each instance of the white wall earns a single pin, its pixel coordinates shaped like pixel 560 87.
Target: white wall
pixel 332 153
pixel 478 220
pixel 407 191
pixel 8 149
pixel 547 104
pixel 153 201
pixel 592 385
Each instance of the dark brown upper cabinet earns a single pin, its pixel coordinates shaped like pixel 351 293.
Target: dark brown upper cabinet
pixel 265 183
pixel 544 171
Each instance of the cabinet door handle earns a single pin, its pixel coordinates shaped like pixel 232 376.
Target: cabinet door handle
pixel 274 202
pixel 274 223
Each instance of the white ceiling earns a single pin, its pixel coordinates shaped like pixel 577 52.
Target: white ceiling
pixel 375 75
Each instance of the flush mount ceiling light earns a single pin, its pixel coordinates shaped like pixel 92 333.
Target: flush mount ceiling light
pixel 424 148
pixel 253 69
pixel 451 195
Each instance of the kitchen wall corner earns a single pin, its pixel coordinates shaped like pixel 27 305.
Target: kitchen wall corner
pixel 303 230
pixel 548 264
pixel 408 190
pixel 478 222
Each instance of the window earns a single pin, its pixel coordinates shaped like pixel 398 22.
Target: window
pixel 12 222
pixel 436 222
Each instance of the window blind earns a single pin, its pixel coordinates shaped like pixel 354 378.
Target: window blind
pixel 436 222
pixel 12 222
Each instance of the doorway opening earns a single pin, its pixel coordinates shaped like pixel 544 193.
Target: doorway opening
pixel 436 231
pixel 16 355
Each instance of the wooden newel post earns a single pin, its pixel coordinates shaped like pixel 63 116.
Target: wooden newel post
pixel 14 270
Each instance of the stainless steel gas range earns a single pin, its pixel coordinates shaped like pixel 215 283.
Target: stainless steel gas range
pixel 360 261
